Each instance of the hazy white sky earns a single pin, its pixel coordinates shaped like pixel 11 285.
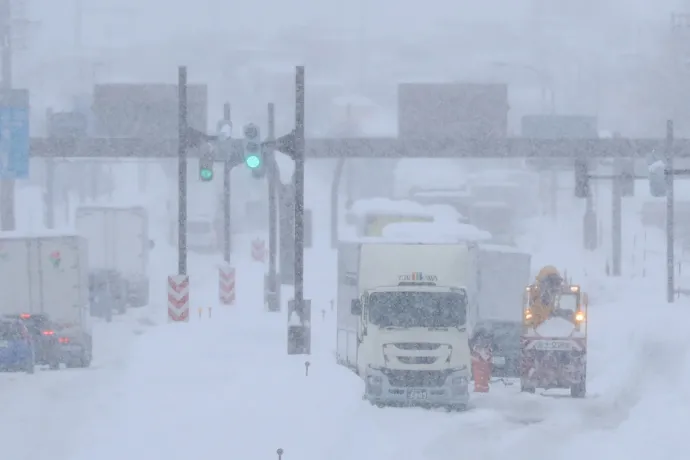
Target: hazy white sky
pixel 379 42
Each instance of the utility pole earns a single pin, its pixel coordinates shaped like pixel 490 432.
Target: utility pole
pixel 616 224
pixel 49 192
pixel 303 310
pixel 6 186
pixel 589 227
pixel 554 172
pixel 227 204
pixel 670 238
pixel 299 328
pixel 182 171
pixel 272 288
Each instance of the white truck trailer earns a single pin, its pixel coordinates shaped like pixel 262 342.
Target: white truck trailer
pixel 503 273
pixel 48 274
pixel 403 320
pixel 119 248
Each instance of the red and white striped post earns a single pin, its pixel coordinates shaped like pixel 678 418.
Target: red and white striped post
pixel 178 299
pixel 259 250
pixel 226 285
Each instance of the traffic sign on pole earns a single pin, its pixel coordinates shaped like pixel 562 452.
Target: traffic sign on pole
pixel 14 134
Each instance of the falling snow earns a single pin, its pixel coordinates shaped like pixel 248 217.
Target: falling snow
pixel 109 351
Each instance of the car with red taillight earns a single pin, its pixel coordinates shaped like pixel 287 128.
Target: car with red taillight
pixel 44 337
pixel 16 347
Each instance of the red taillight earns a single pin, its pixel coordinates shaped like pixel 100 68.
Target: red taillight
pixel 25 316
pixel 63 340
pixel 48 332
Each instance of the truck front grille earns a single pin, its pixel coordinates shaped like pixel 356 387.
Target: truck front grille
pixel 417 346
pixel 417 359
pixel 398 378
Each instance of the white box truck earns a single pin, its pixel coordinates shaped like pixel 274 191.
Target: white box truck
pixel 119 248
pixel 405 328
pixel 48 274
pixel 503 273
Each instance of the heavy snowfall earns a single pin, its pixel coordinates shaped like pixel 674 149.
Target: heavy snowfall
pixel 458 191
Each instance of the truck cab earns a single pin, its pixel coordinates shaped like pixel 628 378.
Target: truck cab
pixel 554 341
pixel 413 343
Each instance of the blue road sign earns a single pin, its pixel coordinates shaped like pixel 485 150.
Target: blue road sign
pixel 14 135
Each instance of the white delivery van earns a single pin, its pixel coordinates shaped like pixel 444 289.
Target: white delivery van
pixel 411 321
pixel 202 234
pixel 119 241
pixel 503 273
pixel 48 274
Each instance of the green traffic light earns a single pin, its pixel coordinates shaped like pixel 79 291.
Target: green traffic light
pixel 206 174
pixel 253 161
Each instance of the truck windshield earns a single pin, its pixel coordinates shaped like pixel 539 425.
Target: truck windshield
pixel 417 309
pixel 568 302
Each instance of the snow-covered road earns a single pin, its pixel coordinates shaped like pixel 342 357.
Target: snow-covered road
pixel 223 387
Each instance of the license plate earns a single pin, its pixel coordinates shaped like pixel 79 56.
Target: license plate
pixel 553 345
pixel 416 394
pixel 4 344
pixel 499 361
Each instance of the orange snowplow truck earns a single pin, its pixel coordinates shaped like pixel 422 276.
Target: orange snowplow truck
pixel 542 299
pixel 554 336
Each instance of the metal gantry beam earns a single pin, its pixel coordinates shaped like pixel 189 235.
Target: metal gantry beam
pixel 373 148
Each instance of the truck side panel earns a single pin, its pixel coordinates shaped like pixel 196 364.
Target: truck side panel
pixel 347 323
pixel 94 225
pixel 118 238
pixel 503 275
pixel 131 240
pixel 17 281
pixel 58 262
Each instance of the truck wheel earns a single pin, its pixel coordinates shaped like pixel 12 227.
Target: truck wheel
pixel 144 297
pixel 79 362
pixel 456 408
pixel 579 390
pixel 30 366
pixel 527 389
pixel 140 297
pixel 85 361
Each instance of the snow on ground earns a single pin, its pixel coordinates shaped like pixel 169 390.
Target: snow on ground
pixel 37 408
pixel 223 387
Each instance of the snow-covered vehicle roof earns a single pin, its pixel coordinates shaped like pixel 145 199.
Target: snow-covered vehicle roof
pixel 436 231
pixel 387 206
pixel 442 193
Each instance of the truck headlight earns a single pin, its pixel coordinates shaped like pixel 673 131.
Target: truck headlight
pixel 374 380
pixel 450 354
pixel 459 381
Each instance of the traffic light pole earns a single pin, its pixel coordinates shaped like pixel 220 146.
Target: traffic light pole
pixel 292 144
pixel 182 171
pixel 616 225
pixel 589 223
pixel 227 204
pixel 302 308
pixel 670 238
pixel 271 286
